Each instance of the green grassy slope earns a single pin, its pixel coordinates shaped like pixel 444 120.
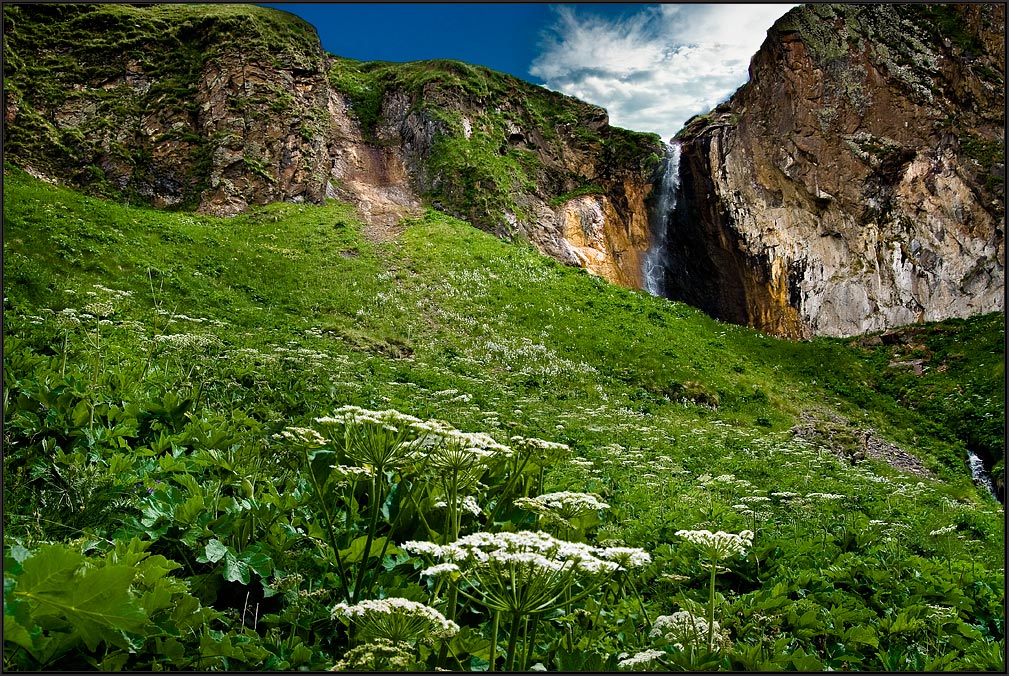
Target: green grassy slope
pixel 141 346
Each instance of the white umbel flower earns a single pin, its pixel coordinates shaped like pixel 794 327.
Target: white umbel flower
pixel 525 572
pixel 627 557
pixel 639 659
pixel 683 628
pixel 720 545
pixel 396 619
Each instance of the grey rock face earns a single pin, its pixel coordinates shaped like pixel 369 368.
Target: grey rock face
pixel 842 190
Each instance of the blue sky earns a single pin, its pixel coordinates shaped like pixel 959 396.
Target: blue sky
pixel 651 66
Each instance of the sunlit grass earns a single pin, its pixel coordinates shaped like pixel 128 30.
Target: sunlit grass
pixel 174 344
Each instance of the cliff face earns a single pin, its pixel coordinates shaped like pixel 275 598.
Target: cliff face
pixel 222 107
pixel 856 182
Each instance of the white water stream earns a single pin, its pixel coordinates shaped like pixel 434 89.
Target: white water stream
pixel 654 266
pixel 979 473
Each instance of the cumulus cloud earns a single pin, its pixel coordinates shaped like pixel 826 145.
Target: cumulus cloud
pixel 656 68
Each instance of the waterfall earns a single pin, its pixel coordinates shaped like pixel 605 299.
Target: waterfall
pixel 979 473
pixel 654 266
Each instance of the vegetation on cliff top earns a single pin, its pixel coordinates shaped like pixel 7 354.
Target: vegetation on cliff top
pixel 59 54
pixel 496 137
pixel 180 493
pixel 85 84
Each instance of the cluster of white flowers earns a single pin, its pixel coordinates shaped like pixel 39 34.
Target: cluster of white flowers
pixel 475 548
pixel 396 619
pixel 542 452
pixel 67 317
pixel 683 628
pixel 551 554
pixel 355 415
pixel 188 341
pixel 197 320
pixel 301 435
pixel 518 572
pixel 450 449
pixel 533 358
pixel 942 612
pixel 454 458
pixel 439 570
pixel 100 308
pixel 541 444
pixel 825 496
pixel 944 530
pixel 352 473
pixel 466 502
pixel 300 355
pixel 639 659
pixel 563 504
pixel 720 545
pixel 377 654
pixel 755 498
pixel 626 557
pixel 117 293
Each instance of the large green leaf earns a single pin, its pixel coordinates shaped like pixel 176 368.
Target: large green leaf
pixel 861 634
pixel 803 662
pixel 258 561
pixel 235 570
pixel 214 552
pixel 102 601
pixel 355 553
pixel 81 414
pixel 16 633
pixel 50 570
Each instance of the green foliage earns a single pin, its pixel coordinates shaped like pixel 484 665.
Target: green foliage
pixel 154 361
pixel 63 610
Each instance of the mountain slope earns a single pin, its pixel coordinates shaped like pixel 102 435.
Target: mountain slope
pixel 221 107
pixel 854 184
pixel 153 361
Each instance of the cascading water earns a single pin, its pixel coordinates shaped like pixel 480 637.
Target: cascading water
pixel 654 266
pixel 978 471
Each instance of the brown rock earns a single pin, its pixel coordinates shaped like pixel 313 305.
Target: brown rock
pixel 838 192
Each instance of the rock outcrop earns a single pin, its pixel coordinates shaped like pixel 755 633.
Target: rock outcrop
pixel 856 182
pixel 222 107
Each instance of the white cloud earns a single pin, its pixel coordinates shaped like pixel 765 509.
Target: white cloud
pixel 655 69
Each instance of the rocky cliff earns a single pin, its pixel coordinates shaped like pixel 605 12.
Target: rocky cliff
pixel 218 107
pixel 856 182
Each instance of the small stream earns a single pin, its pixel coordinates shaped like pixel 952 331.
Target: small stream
pixel 979 473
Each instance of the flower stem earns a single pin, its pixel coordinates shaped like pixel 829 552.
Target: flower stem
pixel 648 622
pixel 513 634
pixel 376 496
pixel 493 640
pixel 531 640
pixel 329 530
pixel 711 609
